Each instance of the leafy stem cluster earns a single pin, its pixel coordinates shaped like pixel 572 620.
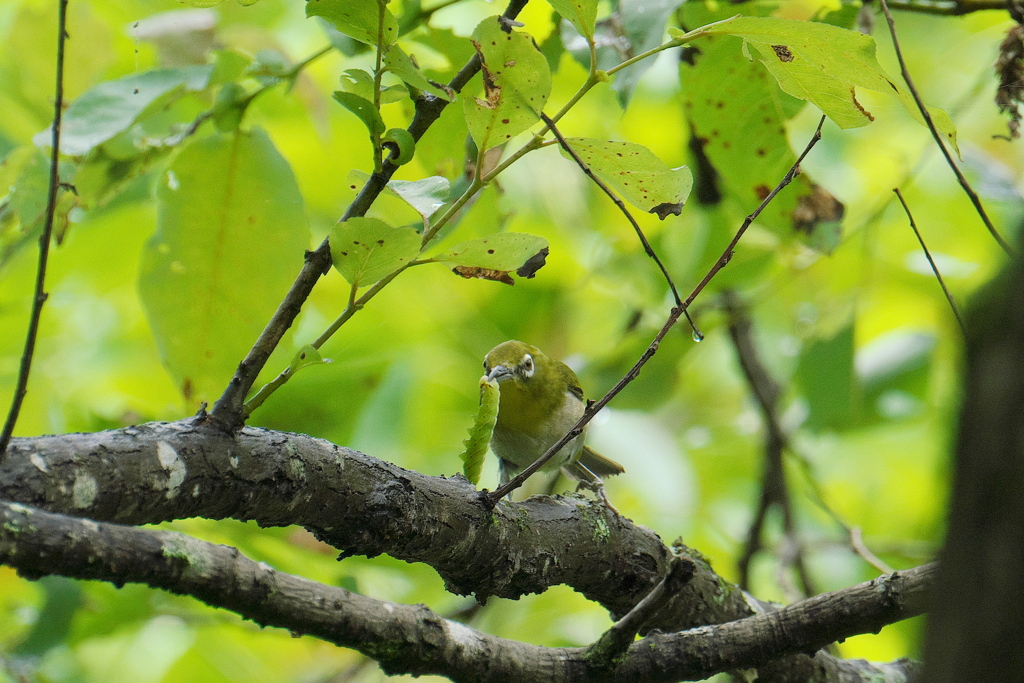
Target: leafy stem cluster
pixel 481 178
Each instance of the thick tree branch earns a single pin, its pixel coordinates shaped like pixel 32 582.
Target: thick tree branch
pixel 362 506
pixel 412 639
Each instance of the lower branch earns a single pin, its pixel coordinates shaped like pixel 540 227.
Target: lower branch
pixel 413 639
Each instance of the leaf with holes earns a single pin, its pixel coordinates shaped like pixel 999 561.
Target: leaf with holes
pixel 480 432
pixel 635 172
pixel 517 83
pixel 366 250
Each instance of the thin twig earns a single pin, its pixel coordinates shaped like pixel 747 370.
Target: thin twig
pixel 857 543
pixel 492 499
pixel 616 640
pixel 622 207
pixel 931 261
pixel 228 411
pixel 44 239
pixel 975 200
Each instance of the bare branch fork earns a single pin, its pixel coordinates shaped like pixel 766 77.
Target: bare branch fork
pixel 491 499
pixel 44 240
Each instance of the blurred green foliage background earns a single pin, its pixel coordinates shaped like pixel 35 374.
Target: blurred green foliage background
pixel 862 340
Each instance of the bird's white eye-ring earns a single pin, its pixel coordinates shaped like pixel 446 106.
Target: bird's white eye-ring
pixel 528 365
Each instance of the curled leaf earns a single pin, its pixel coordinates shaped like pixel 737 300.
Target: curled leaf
pixel 480 432
pixel 533 264
pixel 401 144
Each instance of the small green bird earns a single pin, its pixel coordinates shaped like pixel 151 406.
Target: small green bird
pixel 541 400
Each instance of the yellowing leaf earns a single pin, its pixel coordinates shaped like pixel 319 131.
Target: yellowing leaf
pixel 480 432
pixel 635 172
pixel 517 82
pixel 366 250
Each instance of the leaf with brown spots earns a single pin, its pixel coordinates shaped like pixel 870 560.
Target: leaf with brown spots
pixel 505 252
pixel 516 80
pixel 635 172
pixel 824 64
pixel 366 250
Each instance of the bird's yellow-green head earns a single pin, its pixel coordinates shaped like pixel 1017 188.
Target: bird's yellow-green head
pixel 533 386
pixel 540 401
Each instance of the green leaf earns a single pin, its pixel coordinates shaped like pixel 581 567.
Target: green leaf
pixel 635 172
pixel 366 250
pixel 228 65
pixel 516 85
pixel 824 64
pixel 112 107
pixel 399 63
pixel 231 231
pixel 506 251
pixel 358 19
pixel 580 13
pixel 480 432
pixel 362 108
pixel 357 82
pixel 738 114
pixel 425 196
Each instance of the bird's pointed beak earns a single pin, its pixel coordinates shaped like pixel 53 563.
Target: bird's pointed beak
pixel 499 372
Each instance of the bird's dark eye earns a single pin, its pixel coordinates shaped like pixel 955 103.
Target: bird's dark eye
pixel 528 365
